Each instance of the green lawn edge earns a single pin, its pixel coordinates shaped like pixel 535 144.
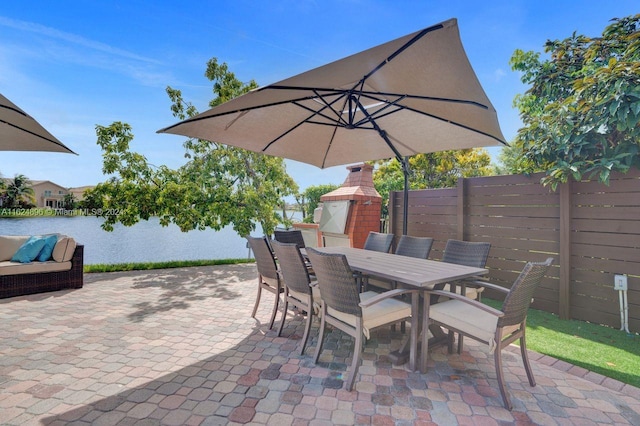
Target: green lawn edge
pixel 146 266
pixel 604 350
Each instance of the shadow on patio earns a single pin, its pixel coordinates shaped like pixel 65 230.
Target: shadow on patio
pixel 179 347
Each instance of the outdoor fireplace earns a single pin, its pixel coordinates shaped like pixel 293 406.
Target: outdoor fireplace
pixel 350 212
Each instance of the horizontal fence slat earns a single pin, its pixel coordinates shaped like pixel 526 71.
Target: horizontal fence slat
pixel 521 220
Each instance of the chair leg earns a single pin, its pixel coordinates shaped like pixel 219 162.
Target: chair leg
pixel 307 328
pixel 316 356
pixel 497 355
pixel 275 310
pixel 284 313
pixel 255 306
pixel 451 337
pixel 357 350
pixel 525 359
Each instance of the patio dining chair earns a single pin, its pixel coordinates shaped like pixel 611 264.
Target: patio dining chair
pixel 292 236
pixel 466 253
pixel 268 276
pixel 418 247
pixel 496 328
pixel 346 309
pixel 377 241
pixel 299 290
pixel 289 236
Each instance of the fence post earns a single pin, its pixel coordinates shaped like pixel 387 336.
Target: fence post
pixel 391 221
pixel 460 210
pixel 564 285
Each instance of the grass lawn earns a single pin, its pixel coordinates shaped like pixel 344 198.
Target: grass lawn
pixel 604 350
pixel 159 265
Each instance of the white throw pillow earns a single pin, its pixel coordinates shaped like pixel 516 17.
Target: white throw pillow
pixel 63 251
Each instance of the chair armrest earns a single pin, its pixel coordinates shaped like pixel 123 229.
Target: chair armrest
pixel 479 282
pixel 386 295
pixel 465 299
pixel 487 284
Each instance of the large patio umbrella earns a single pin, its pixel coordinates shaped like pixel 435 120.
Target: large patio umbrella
pixel 416 94
pixel 21 132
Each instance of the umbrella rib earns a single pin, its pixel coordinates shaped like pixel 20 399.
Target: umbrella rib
pixel 318 94
pixel 33 133
pixel 399 51
pixel 339 120
pixel 372 95
pixel 307 120
pixel 16 110
pixel 453 123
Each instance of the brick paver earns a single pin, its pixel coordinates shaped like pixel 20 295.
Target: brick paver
pixel 178 347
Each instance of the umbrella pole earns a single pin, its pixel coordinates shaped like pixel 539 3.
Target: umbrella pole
pixel 405 198
pixel 404 161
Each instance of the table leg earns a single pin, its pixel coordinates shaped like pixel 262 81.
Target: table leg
pixel 415 320
pixel 424 335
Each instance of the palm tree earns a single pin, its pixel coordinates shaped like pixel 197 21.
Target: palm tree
pixel 19 191
pixel 3 186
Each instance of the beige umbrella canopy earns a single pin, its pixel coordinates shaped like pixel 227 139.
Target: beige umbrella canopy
pixel 416 94
pixel 21 132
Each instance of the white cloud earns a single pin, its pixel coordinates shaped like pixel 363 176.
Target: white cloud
pixel 71 38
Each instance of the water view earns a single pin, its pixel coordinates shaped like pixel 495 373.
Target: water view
pixel 146 241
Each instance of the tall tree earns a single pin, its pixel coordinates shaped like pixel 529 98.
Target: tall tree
pixel 581 114
pixel 219 185
pixel 19 192
pixel 432 170
pixel 309 199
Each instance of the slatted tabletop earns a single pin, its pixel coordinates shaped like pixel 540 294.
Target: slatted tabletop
pixel 409 270
pixel 419 273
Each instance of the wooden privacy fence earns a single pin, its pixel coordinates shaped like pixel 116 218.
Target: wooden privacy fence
pixel 592 230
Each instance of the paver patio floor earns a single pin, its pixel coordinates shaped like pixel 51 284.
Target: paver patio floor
pixel 178 347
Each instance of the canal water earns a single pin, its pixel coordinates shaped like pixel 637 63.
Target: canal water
pixel 147 241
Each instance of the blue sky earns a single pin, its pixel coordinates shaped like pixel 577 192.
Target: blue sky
pixel 75 64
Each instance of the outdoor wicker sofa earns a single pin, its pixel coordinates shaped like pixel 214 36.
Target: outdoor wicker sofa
pixel 37 277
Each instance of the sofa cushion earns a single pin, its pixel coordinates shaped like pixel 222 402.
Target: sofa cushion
pixel 9 245
pixel 46 252
pixel 63 251
pixel 15 268
pixel 29 250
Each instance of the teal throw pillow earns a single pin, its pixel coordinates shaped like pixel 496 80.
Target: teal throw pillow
pixel 29 250
pixel 46 252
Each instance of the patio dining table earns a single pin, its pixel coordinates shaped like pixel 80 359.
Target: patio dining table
pixel 417 273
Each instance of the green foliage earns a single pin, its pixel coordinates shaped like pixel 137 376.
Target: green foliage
pixel 17 192
pixel 432 170
pixel 69 202
pixel 581 114
pixel 219 185
pixel 513 161
pixel 310 198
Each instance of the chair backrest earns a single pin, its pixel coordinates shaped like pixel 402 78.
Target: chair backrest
pixel 378 241
pixel 518 299
pixel 414 246
pixel 466 253
pixel 292 266
pixel 337 284
pixel 290 236
pixel 265 262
